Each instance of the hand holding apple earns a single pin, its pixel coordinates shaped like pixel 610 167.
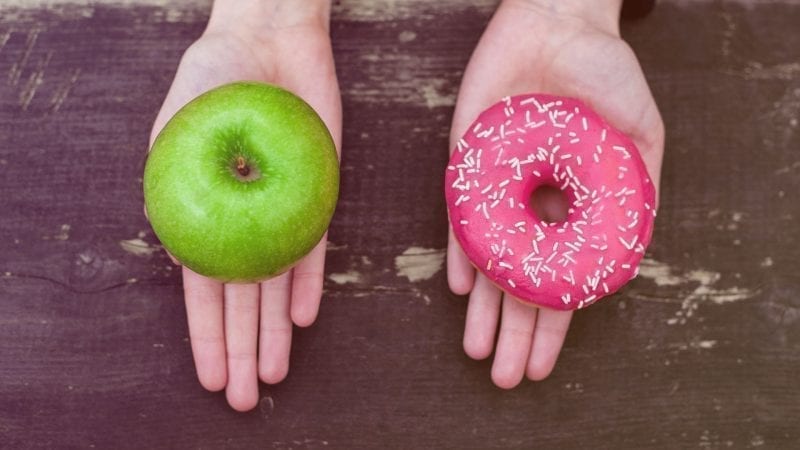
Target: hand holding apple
pixel 242 332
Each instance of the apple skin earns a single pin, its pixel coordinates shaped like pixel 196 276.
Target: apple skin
pixel 242 182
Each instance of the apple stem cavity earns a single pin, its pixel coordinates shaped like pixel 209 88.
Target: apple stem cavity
pixel 244 170
pixel 242 167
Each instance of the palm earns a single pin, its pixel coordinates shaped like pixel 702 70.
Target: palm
pixel 241 333
pixel 574 58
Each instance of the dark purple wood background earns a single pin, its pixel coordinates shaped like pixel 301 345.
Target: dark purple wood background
pixel 703 350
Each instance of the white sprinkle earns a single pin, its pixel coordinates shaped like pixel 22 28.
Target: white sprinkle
pixel 489 265
pixel 585 124
pixel 463 221
pixel 550 258
pixel 485 213
pixel 505 265
pixel 622 150
pixel 567 256
pixel 511 283
pixel 461 199
pixel 499 155
pixel 626 244
pixel 603 135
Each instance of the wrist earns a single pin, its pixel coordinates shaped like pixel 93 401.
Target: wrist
pixel 602 14
pixel 260 17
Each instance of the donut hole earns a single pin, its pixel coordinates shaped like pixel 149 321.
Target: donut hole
pixel 549 203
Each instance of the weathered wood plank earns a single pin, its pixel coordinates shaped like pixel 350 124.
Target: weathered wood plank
pixel 703 350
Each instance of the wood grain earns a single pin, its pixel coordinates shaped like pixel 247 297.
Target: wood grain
pixel 703 350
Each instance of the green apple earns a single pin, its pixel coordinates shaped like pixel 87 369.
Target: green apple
pixel 242 182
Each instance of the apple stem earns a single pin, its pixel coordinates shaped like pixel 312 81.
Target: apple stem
pixel 242 167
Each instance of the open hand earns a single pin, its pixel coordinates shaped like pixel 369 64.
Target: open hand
pixel 242 332
pixel 562 47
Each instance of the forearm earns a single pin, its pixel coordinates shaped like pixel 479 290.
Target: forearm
pixel 601 13
pixel 261 16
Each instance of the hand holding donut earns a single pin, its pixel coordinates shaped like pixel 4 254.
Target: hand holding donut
pixel 567 48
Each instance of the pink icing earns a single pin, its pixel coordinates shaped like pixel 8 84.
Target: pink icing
pixel 527 141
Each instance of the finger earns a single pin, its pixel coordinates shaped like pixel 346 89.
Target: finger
pixel 241 335
pixel 460 273
pixel 483 314
pixel 548 338
pixel 204 313
pixel 275 333
pixel 307 285
pixel 513 343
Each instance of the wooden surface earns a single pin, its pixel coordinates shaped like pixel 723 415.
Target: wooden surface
pixel 703 350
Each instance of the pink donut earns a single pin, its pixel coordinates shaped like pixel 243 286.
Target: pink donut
pixel 525 142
